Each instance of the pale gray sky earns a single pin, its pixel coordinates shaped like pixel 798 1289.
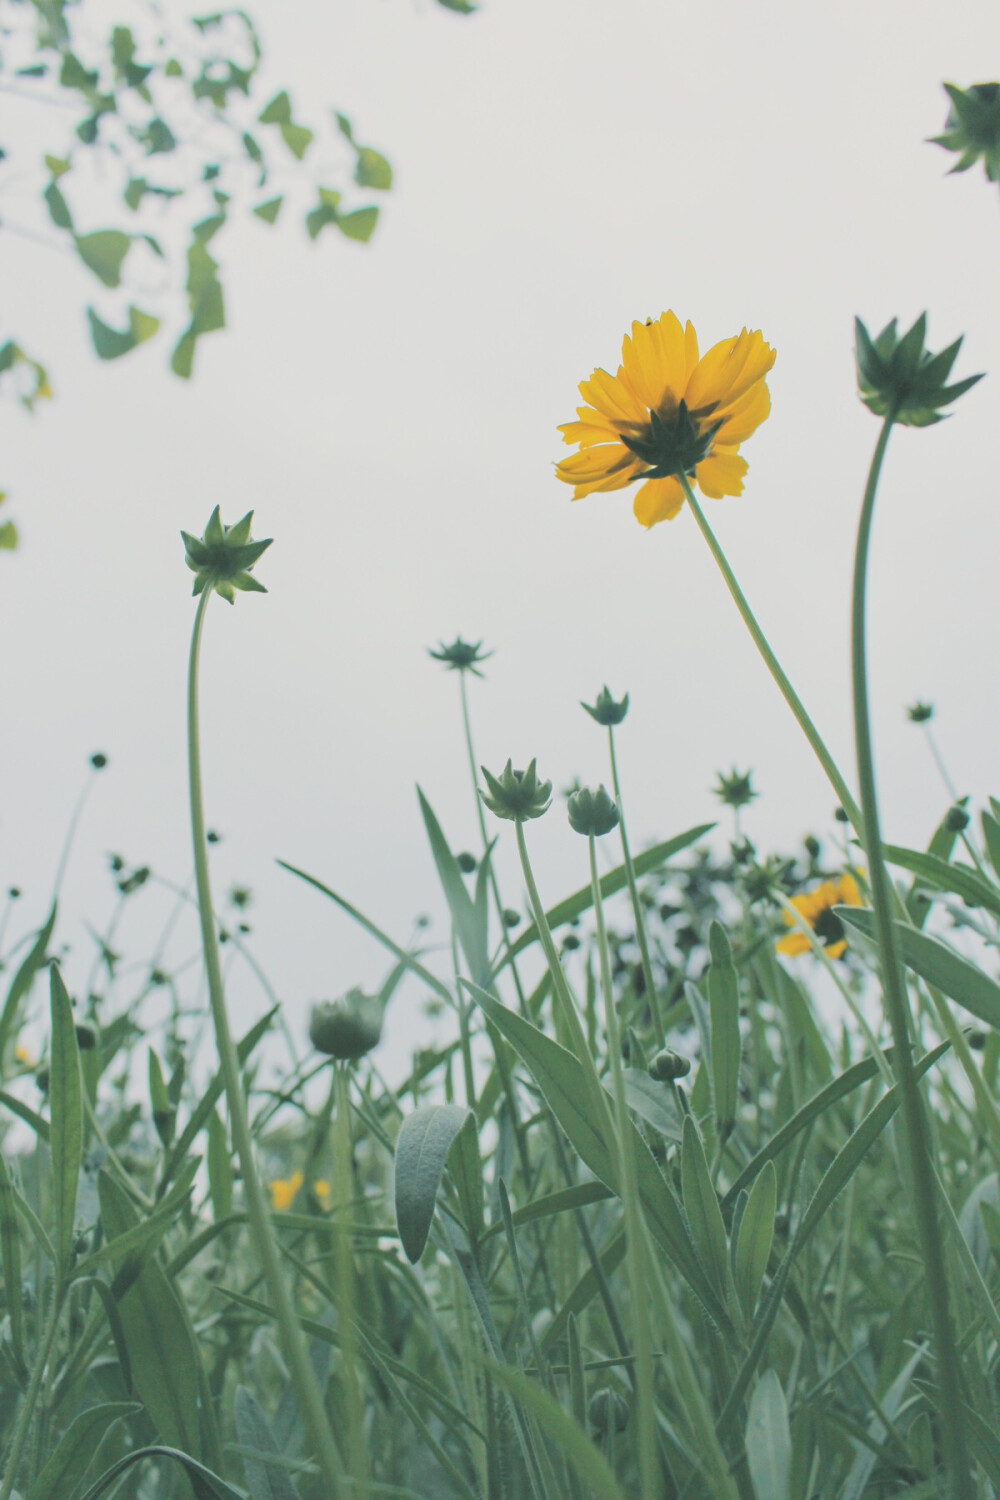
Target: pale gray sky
pixel 390 414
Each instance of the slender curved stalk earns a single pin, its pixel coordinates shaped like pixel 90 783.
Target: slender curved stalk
pixel 789 694
pixel 952 1425
pixel 633 890
pixel 292 1338
pixel 491 875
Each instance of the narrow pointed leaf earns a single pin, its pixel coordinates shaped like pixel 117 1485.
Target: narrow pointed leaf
pixel 422 1147
pixel 66 1122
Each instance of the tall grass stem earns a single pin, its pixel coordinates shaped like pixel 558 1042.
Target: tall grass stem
pixel 292 1338
pixel 952 1424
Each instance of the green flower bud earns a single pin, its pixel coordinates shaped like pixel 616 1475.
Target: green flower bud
pixel 592 813
pixel 920 713
pixel 735 789
pixel 86 1038
pixel 346 1029
pixel 972 128
pixel 99 760
pixel 900 375
pixel 461 656
pixel 605 710
pixel 840 813
pixel 956 819
pixel 667 1066
pixel 466 863
pixel 517 795
pixel 511 918
pixel 223 557
pixel 608 1411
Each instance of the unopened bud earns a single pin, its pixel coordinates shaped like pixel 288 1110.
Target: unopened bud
pixel 346 1029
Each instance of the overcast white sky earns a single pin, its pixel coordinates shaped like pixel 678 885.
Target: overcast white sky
pixel 389 412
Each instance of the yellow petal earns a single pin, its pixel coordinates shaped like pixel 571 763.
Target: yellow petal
pixel 847 891
pixel 728 370
pixel 690 353
pixel 586 434
pixel 611 398
pixel 794 944
pixel 616 481
pixel 658 500
pixel 721 474
pixel 654 362
pixel 745 416
pixel 834 950
pixel 595 463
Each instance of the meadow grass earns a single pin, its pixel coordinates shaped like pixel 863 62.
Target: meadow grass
pixel 696 1197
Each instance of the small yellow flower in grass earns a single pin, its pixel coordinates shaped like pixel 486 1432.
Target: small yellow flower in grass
pixel 23 1056
pixel 283 1191
pixel 669 412
pixel 816 908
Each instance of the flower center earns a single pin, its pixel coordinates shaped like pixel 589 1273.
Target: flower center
pixel 673 444
pixel 829 927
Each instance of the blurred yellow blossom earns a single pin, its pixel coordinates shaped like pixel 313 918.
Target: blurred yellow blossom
pixel 816 908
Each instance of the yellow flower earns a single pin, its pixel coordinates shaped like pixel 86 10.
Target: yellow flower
pixel 816 908
pixel 667 412
pixel 283 1191
pixel 23 1056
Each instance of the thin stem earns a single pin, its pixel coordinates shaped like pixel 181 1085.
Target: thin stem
pixel 789 694
pixel 633 890
pixel 494 883
pixel 952 1431
pixel 634 1243
pixel 292 1338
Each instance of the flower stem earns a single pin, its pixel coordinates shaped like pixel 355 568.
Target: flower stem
pixel 292 1338
pixel 633 890
pixel 951 1426
pixel 494 883
pixel 789 694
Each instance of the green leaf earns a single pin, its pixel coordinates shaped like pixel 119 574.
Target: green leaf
pixel 298 139
pixel 165 1366
pixel 265 1481
pixel 103 253
pixel 753 1243
pixel 991 837
pixel 206 1485
pixel 66 1118
pixel 110 343
pixel 565 1087
pixel 469 921
pixel 359 225
pixel 832 1183
pixel 220 1167
pixel 960 880
pixel 938 964
pixel 24 978
pixel 565 1200
pixel 8 536
pixel 466 1168
pixel 561 1430
pixel 57 165
pixel 654 1102
pixel 422 1147
pixel 278 111
pixel 158 138
pixel 270 210
pixel 58 208
pixel 769 1440
pixel 372 170
pixel 76 1448
pixel 701 1205
pixel 10 1260
pixel 724 1009
pixel 182 359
